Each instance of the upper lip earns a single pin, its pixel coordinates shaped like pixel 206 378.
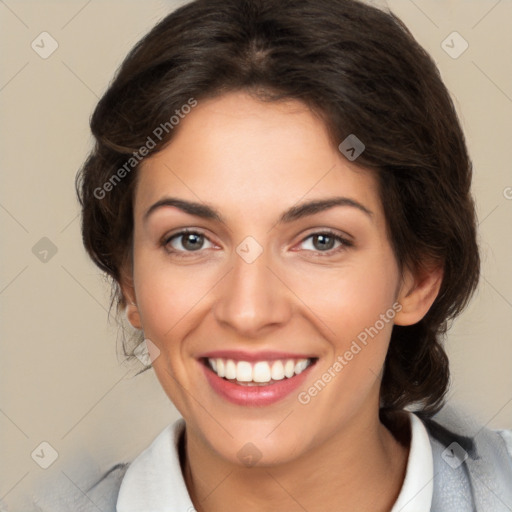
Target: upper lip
pixel 265 355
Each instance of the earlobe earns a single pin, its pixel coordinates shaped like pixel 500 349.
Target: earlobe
pixel 132 315
pixel 417 294
pixel 131 310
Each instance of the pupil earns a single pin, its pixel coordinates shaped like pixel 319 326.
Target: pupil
pixel 324 237
pixel 187 240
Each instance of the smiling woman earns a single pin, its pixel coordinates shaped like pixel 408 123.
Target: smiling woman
pixel 291 252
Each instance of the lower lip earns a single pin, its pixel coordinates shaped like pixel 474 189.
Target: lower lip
pixel 254 395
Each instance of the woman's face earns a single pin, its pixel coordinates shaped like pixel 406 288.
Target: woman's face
pixel 266 283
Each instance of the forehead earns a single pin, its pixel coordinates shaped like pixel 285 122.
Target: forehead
pixel 235 150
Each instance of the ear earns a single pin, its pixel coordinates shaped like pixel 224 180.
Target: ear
pixel 417 294
pixel 131 308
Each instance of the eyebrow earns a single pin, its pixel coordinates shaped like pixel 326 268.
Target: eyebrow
pixel 294 213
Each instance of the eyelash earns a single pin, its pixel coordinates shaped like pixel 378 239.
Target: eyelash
pixel 345 244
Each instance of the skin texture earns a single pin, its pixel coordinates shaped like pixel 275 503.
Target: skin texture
pixel 252 161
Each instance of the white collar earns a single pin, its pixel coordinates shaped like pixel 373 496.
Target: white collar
pixel 418 487
pixel 154 481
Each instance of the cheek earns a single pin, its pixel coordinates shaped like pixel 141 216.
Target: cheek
pixel 355 309
pixel 351 298
pixel 169 300
pixel 163 300
pixel 360 325
pixel 169 297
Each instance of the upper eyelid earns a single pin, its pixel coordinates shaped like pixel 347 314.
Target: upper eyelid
pixel 185 231
pixel 167 238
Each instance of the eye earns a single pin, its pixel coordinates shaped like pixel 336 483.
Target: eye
pixel 324 242
pixel 190 241
pixel 185 242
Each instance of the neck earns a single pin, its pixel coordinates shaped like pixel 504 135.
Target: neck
pixel 352 471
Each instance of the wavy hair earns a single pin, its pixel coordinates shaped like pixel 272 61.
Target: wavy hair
pixel 358 67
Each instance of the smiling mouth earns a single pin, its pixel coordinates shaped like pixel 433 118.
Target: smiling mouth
pixel 257 373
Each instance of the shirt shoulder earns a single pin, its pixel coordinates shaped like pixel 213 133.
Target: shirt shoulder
pixel 506 435
pixel 106 489
pixel 63 495
pixel 472 463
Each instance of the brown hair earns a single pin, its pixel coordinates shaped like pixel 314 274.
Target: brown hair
pixel 363 71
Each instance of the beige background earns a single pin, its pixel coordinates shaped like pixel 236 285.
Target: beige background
pixel 61 379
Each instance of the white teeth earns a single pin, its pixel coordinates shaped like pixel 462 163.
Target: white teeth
pixel 260 372
pixel 301 366
pixel 289 368
pixel 220 368
pixel 230 369
pixel 243 371
pixel 277 371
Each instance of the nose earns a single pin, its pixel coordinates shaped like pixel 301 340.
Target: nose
pixel 253 298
